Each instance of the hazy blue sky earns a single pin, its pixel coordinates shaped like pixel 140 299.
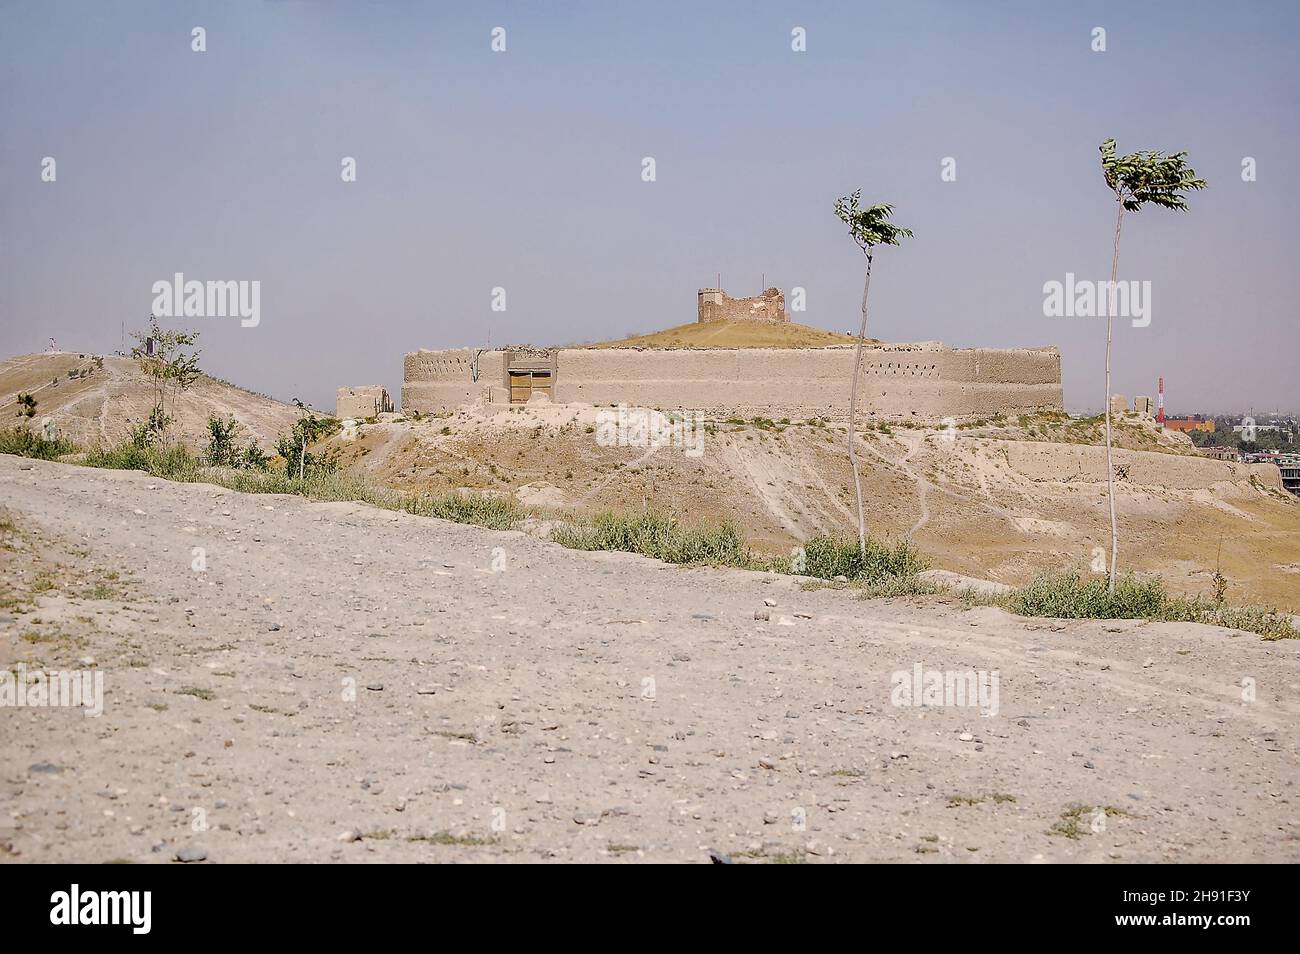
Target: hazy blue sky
pixel 522 170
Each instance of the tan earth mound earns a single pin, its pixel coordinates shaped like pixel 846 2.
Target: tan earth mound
pixel 736 334
pixel 1000 502
pixel 99 399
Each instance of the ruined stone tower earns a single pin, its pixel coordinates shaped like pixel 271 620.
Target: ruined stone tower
pixel 717 305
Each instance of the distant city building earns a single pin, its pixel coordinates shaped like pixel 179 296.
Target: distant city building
pixel 1289 464
pixel 1220 453
pixel 1189 424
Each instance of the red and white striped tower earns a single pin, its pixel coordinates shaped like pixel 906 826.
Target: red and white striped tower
pixel 1160 403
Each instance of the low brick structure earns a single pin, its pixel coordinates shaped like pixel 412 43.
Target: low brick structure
pixel 362 402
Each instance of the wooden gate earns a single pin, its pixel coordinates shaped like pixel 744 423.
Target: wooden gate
pixel 521 386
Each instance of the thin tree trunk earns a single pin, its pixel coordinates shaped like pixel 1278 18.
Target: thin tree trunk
pixel 1110 468
pixel 853 408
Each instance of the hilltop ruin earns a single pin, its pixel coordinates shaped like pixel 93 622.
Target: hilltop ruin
pixel 923 381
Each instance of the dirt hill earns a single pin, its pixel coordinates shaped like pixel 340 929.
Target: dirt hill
pixel 999 501
pixel 735 334
pixel 101 398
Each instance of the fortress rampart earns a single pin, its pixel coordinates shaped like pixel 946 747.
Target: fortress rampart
pixel 898 381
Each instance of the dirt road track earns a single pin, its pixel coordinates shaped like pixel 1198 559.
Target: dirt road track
pixel 370 674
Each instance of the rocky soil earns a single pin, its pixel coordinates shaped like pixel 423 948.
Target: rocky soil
pixel 295 681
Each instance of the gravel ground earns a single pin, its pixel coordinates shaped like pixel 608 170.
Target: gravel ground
pixel 341 683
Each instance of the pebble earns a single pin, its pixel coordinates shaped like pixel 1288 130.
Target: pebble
pixel 187 855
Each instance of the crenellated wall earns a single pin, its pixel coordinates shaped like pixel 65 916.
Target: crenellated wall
pixel 927 381
pixel 896 381
pixel 441 380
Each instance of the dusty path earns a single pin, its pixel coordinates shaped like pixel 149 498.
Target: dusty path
pixel 589 707
pixel 913 443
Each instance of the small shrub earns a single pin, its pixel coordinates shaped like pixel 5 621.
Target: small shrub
pixel 478 509
pixel 292 447
pixel 253 457
pixel 171 463
pixel 224 452
pixel 221 441
pixel 893 586
pixel 1069 595
pixel 24 443
pixel 658 535
pixel 150 433
pixel 828 557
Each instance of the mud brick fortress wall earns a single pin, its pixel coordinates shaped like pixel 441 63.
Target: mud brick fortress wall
pixel 442 380
pixel 898 381
pixel 361 403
